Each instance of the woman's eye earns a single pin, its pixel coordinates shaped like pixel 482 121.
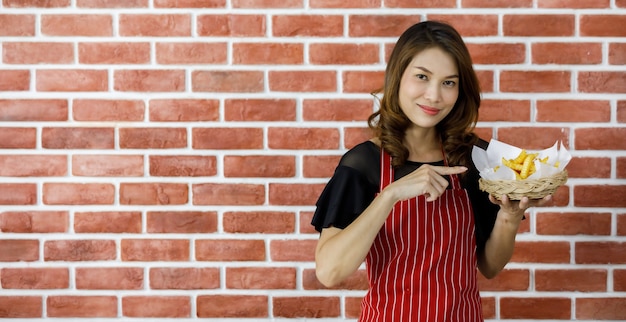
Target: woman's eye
pixel 449 83
pixel 421 76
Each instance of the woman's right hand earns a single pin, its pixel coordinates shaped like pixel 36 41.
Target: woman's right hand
pixel 426 180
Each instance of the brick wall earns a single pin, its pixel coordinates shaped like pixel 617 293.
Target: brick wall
pixel 161 158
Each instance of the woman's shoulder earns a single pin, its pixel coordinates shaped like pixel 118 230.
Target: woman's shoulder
pixel 361 156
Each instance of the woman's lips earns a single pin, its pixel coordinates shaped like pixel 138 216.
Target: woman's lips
pixel 429 110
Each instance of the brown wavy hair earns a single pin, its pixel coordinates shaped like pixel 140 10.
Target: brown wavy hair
pixel 389 123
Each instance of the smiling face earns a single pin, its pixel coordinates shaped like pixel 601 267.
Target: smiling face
pixel 429 88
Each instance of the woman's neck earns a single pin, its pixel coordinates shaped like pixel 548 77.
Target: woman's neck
pixel 424 145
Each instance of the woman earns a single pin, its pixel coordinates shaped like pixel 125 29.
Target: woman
pixel 407 201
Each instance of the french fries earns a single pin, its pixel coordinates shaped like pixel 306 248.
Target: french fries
pixel 524 164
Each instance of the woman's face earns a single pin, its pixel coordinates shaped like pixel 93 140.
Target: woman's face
pixel 429 87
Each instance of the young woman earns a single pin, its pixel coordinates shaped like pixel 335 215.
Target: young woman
pixel 407 201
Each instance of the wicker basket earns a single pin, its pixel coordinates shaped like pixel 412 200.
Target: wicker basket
pixel 516 189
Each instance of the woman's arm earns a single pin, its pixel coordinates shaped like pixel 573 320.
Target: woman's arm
pixel 499 247
pixel 340 252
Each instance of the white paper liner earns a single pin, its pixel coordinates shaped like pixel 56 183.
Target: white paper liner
pixel 489 162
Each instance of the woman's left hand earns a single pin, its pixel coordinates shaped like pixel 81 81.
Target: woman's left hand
pixel 517 208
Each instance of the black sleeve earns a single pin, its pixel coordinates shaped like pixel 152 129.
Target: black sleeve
pixel 485 212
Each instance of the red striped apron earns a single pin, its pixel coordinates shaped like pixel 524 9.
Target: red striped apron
pixel 422 264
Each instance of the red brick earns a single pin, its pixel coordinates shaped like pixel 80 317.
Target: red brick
pixel 227 138
pixel 303 138
pixel 621 225
pixel 81 306
pixel 599 252
pixel 356 281
pixel 232 306
pixel 21 306
pixel 547 308
pixel 322 166
pixel 14 80
pixel 17 25
pixel 156 306
pixel 34 221
pixel 184 278
pixel 352 306
pixel 34 110
pixel 79 250
pixel 154 193
pixel 599 196
pixel 18 138
pixel 466 25
pixel 19 250
pixel 355 135
pixel 541 252
pixel 35 278
pixel 504 110
pixel 486 80
pixel 33 165
pixel 307 25
pixel 420 4
pixel 259 166
pixel 183 166
pixel 380 25
pixel 189 3
pixel 37 53
pixel 581 4
pixel 619 280
pixel 77 138
pixel 600 138
pixel 259 110
pixel 107 165
pixel 184 222
pixel 580 223
pixel 108 222
pixel 344 4
pixel 36 3
pixel 337 109
pixel 534 25
pixel 227 81
pixel 621 167
pixel 77 25
pixel 184 110
pixel 228 194
pixel 266 4
pixel 497 3
pixel 602 25
pixel 344 54
pixel 601 308
pixel 303 81
pixel 108 110
pixel 118 53
pixel 261 278
pixel 266 222
pixel 294 250
pixel 533 138
pixel 191 53
pixel 230 250
pixel 306 306
pixel 155 25
pixel 109 278
pixel 149 80
pixel 54 80
pixel 621 111
pixel 577 53
pixel 506 280
pixel 112 3
pixel 497 53
pixel 18 194
pixel 543 81
pixel 572 280
pixel 153 138
pixel 601 82
pixel 155 250
pixel 617 53
pixel 78 193
pixel 268 53
pixel 294 194
pixel 364 82
pixel 573 111
pixel 305 219
pixel 225 25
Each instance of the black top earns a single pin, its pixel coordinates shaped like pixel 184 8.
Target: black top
pixel 356 182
